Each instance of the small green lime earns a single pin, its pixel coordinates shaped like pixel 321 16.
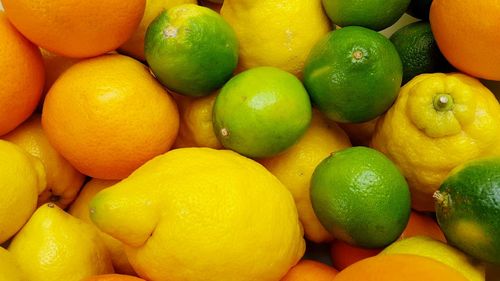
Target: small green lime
pixel 261 112
pixel 353 74
pixel 419 9
pixel 468 208
pixel 418 50
pixel 372 14
pixel 361 197
pixel 191 49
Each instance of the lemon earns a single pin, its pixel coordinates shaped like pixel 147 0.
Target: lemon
pixel 53 245
pixel 9 269
pixel 197 214
pixel 437 122
pixel 80 209
pixel 196 128
pixel 134 47
pixel 63 180
pixel 360 197
pixel 295 166
pixel 277 33
pixel 437 250
pixel 22 178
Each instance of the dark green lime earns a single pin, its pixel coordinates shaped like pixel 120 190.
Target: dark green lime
pixel 418 50
pixel 353 74
pixel 468 208
pixel 361 197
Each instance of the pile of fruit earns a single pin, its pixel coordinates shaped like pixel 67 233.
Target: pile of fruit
pixel 184 140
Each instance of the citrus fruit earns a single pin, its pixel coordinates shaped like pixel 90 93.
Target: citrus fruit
pixel 63 181
pixel 419 9
pixel 215 5
pixel 108 115
pixel 468 207
pixel 295 166
pixel 360 134
pixel 54 245
pixel 360 197
pixel 9 269
pixel 54 66
pixel 22 178
pixel 467 35
pixel 202 214
pixel 372 14
pixel 191 49
pixel 22 77
pixel 437 122
pixel 399 267
pixel 310 270
pixel 80 209
pixel 196 128
pixel 344 254
pixel 353 74
pixel 261 112
pixel 75 28
pixel 428 247
pixel 418 50
pixel 421 224
pixel 135 44
pixel 113 277
pixel 278 33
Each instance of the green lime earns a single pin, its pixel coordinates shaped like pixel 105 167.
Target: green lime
pixel 418 50
pixel 419 9
pixel 261 112
pixel 353 74
pixel 468 208
pixel 361 197
pixel 191 49
pixel 372 14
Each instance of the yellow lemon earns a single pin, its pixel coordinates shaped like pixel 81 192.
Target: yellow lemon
pixel 440 251
pixel 63 181
pixel 196 128
pixel 277 33
pixel 9 269
pixel 135 45
pixel 54 245
pixel 437 122
pixel 295 166
pixel 197 214
pixel 80 209
pixel 22 178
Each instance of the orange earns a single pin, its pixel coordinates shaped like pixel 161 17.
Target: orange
pixel 466 32
pixel 421 224
pixel 399 267
pixel 344 254
pixel 76 28
pixel 309 270
pixel 54 65
pixel 108 115
pixel 113 277
pixel 22 77
pixel 63 180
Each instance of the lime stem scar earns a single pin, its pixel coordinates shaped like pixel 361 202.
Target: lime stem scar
pixel 357 54
pixel 443 102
